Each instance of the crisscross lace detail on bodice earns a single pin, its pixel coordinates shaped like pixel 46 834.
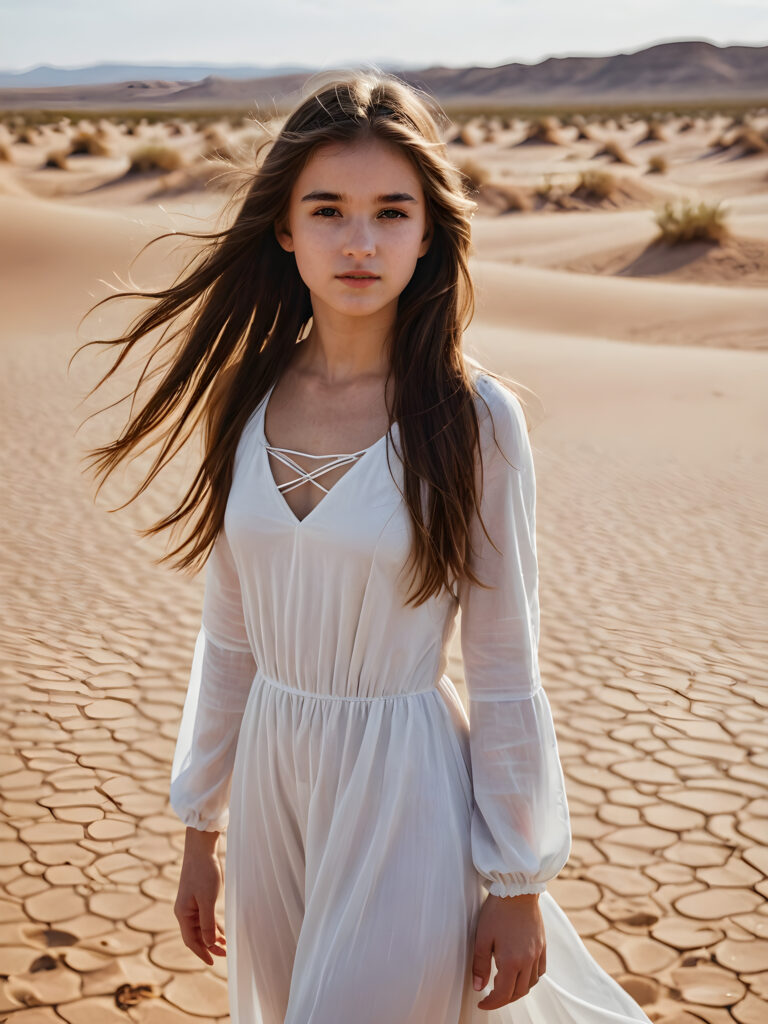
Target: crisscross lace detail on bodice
pixel 309 476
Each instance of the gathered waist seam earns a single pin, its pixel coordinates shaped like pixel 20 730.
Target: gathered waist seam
pixel 337 696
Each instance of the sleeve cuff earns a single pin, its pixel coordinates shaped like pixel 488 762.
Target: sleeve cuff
pixel 193 819
pixel 501 888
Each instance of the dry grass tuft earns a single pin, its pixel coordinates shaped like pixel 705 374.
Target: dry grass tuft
pixel 655 132
pixel 751 141
pixel 475 174
pixel 202 175
pixel 658 164
pixel 691 222
pixel 90 143
pixel 155 157
pixel 546 189
pixel 584 132
pixel 594 186
pixel 28 136
pixel 614 150
pixel 468 135
pixel 748 139
pixel 219 146
pixel 543 130
pixel 504 198
pixel 57 158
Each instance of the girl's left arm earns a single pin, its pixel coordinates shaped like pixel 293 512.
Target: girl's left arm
pixel 520 833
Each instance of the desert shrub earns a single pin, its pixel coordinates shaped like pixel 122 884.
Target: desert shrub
pixel 691 222
pixel 468 135
pixel 594 185
pixel 28 135
pixel 57 158
pixel 584 134
pixel 545 188
pixel 751 141
pixel 724 140
pixel 218 146
pixel 90 143
pixel 213 133
pixel 658 165
pixel 505 198
pixel 544 129
pixel 154 157
pixel 655 132
pixel 615 151
pixel 208 175
pixel 475 174
pixel 515 199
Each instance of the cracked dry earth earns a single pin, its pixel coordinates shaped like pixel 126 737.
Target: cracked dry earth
pixel 652 616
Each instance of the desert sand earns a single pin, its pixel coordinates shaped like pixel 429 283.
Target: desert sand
pixel 650 440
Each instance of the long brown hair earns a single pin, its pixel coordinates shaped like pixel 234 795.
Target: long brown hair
pixel 247 307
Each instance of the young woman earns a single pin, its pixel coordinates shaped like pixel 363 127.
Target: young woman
pixel 362 481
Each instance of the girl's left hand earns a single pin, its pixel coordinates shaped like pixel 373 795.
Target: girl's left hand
pixel 511 928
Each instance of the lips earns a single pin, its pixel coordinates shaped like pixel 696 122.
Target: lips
pixel 357 276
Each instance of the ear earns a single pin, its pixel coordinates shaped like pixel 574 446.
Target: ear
pixel 283 236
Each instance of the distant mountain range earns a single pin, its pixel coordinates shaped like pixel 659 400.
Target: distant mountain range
pixel 46 75
pixel 682 70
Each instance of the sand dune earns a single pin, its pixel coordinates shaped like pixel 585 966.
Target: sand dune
pixel 621 308
pixel 651 448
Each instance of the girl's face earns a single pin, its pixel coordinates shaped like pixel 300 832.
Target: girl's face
pixel 356 207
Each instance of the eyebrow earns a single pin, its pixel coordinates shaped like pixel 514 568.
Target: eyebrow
pixel 337 197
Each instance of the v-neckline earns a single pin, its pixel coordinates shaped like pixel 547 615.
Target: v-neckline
pixel 264 445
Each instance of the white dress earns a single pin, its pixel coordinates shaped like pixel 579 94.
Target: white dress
pixel 365 819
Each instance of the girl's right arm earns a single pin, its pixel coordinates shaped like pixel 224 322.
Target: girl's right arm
pixel 220 680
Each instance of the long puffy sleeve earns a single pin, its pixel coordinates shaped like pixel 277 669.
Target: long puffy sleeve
pixel 220 679
pixel 521 834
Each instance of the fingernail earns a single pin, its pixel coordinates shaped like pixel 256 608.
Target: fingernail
pixel 478 982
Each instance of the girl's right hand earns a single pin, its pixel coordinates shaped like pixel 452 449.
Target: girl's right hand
pixel 199 886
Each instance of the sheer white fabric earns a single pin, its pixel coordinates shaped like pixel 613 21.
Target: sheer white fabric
pixel 366 815
pixel 520 825
pixel 220 680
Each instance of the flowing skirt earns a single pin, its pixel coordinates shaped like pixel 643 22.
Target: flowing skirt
pixel 350 892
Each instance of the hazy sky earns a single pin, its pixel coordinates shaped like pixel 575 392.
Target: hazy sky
pixel 328 33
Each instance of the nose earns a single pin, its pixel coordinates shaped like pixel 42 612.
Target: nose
pixel 359 240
